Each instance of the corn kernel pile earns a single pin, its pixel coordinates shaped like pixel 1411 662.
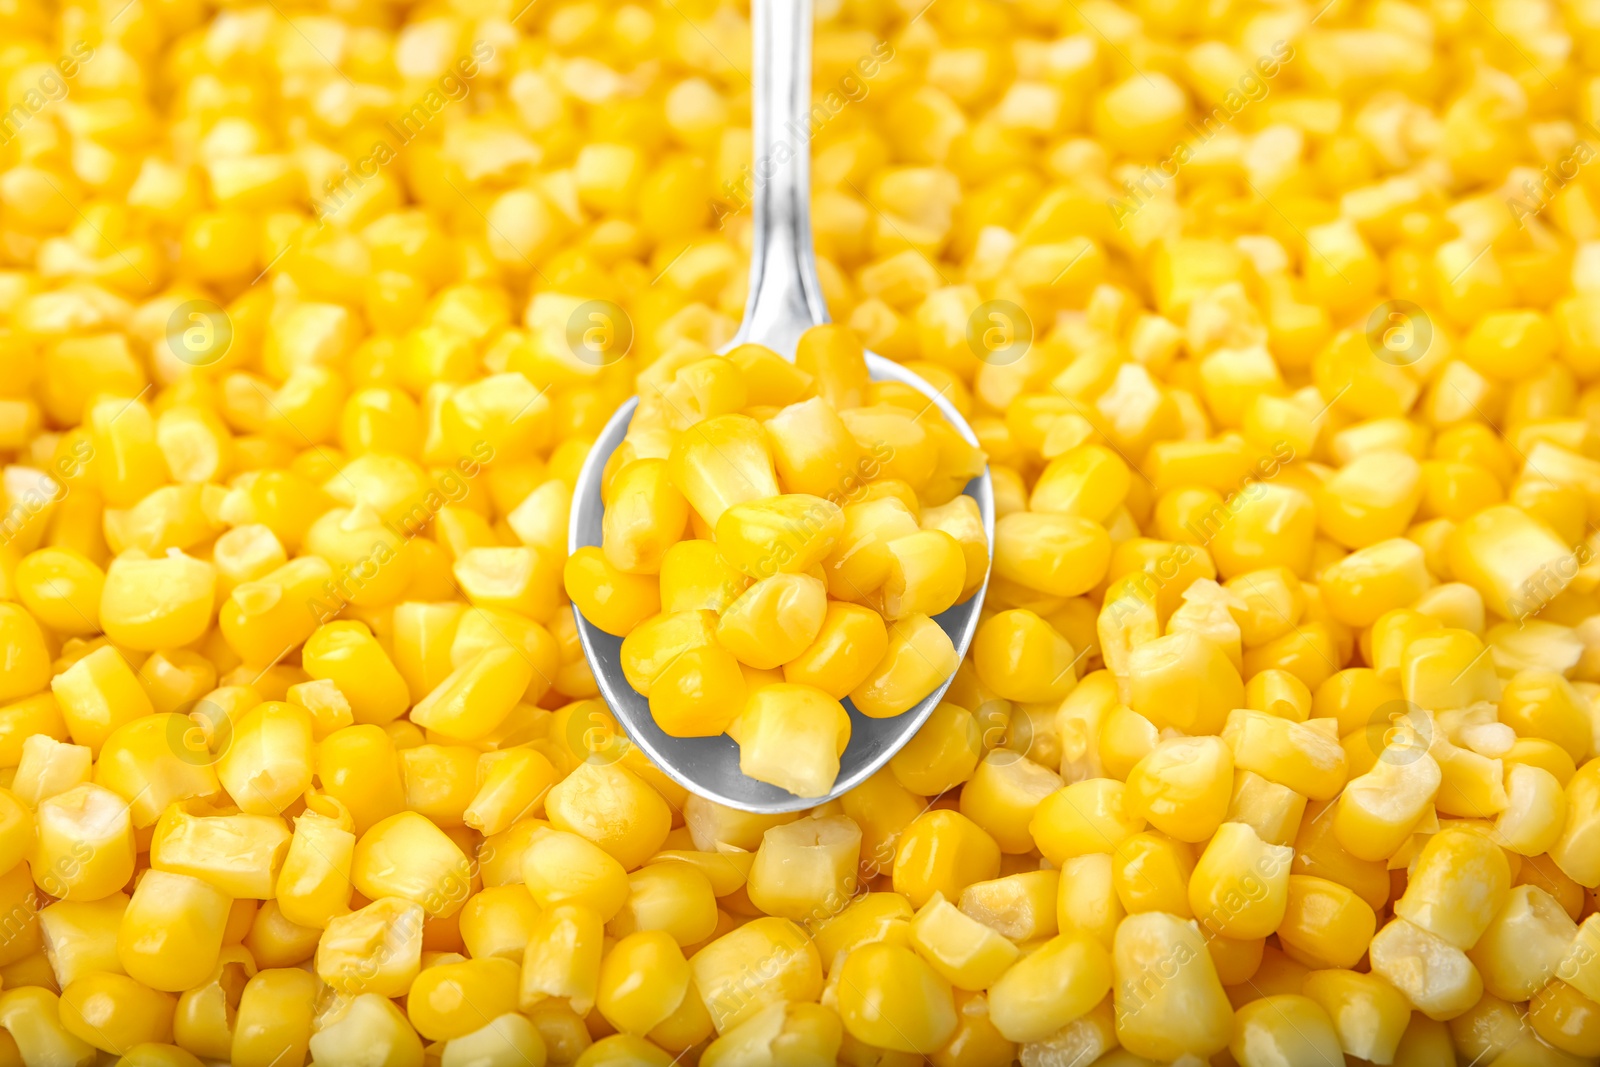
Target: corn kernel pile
pixel 1278 324
pixel 802 492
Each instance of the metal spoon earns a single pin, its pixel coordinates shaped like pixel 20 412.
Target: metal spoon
pixel 785 300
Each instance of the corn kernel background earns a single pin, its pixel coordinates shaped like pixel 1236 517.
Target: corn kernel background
pixel 1279 324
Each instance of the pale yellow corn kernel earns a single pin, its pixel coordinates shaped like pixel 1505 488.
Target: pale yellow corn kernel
pixel 793 971
pixel 85 845
pixel 676 894
pixel 1240 884
pixel 371 1026
pixel 792 736
pixel 1169 1001
pixel 32 1017
pixel 1298 755
pixel 1378 811
pixel 268 766
pixel 61 588
pixel 919 659
pixel 167 911
pixel 1434 975
pixel 49 768
pixel 1021 657
pixel 1087 898
pixel 264 616
pixel 1183 787
pixel 805 868
pixel 1437 898
pixel 407 857
pixel 890 998
pixel 1274 811
pixel 241 855
pixel 504 1041
pixel 148 604
pixel 1535 813
pixel 966 953
pixel 375 949
pixel 1578 966
pixel 313 886
pixel 778 1034
pixel 1061 555
pixel 1524 945
pixel 1082 818
pixel 475 698
pixel 1284 1029
pixel 1369 1015
pixel 80 937
pixel 98 694
pixel 774 621
pixel 450 1000
pixel 1183 681
pixel 114 1013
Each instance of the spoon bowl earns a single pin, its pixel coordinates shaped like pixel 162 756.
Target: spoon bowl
pixel 785 300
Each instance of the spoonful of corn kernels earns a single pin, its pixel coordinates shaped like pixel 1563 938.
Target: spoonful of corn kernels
pixel 779 551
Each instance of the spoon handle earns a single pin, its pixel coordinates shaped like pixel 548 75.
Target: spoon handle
pixel 785 297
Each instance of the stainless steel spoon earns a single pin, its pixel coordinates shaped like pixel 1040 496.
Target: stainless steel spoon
pixel 785 300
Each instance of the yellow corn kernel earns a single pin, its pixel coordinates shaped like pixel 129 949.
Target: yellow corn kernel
pixel 1284 1029
pixel 518 579
pixel 1082 818
pixel 313 886
pixel 1378 811
pixel 792 736
pixel 1535 812
pixel 1021 657
pixel 721 970
pixel 943 754
pixel 1062 555
pixel 80 937
pixel 347 654
pixel 1434 975
pixel 32 1016
pixel 114 1013
pixel 774 620
pixel 50 768
pixel 859 562
pixel 655 643
pixel 964 952
pixel 1325 924
pixel 1529 940
pixel 919 659
pixel 943 852
pixel 890 998
pixel 85 844
pixel 1185 682
pixel 265 616
pixel 645 515
pixel 563 868
pixel 612 599
pixel 375 949
pixel 1543 704
pixel 407 857
pixel 675 895
pixel 61 588
pixel 1272 526
pixel 274 1016
pixel 511 784
pixel 643 980
pixel 1437 898
pixel 371 1026
pixel 148 604
pixel 1019 906
pixel 1293 754
pixel 1151 873
pixel 504 1041
pixel 806 867
pixel 1087 898
pixel 451 1000
pixel 613 807
pixel 478 695
pixel 1169 1001
pixel 1240 885
pixel 358 768
pixel 720 462
pixel 1003 794
pixel 1274 811
pixel 780 1033
pixel 269 764
pixel 1369 1015
pixel 165 912
pixel 1183 787
pixel 240 855
pixel 1564 1018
